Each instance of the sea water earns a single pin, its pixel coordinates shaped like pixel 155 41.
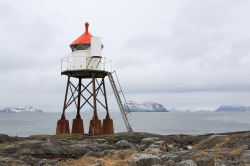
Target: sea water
pixel 26 124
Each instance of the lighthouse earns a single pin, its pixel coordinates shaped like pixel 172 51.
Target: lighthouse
pixel 86 70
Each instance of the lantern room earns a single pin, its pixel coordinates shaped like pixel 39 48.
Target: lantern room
pixel 86 54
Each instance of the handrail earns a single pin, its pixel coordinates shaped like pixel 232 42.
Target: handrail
pixel 79 62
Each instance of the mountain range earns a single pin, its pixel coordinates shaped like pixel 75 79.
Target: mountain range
pixel 229 108
pixel 145 107
pixel 19 109
pixel 135 107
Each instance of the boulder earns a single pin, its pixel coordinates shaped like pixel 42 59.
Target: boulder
pixel 176 156
pixel 171 148
pixel 189 147
pixel 3 137
pixel 162 145
pixel 245 157
pixel 154 146
pixel 187 163
pixel 168 156
pixel 96 164
pixel 6 161
pixel 170 163
pixel 205 161
pixel 228 163
pixel 148 141
pixel 124 144
pixel 99 141
pixel 143 159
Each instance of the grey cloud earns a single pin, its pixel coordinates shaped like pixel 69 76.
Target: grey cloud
pixel 178 47
pixel 202 32
pixel 28 45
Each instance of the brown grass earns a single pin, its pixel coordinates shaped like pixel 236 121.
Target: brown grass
pixel 222 143
pixel 236 152
pixel 198 154
pixel 113 160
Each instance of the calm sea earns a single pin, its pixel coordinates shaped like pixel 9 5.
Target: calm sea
pixel 26 124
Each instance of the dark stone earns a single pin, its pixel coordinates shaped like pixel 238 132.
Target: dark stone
pixel 124 144
pixel 187 163
pixel 141 159
pixel 170 163
pixel 3 137
pixel 205 161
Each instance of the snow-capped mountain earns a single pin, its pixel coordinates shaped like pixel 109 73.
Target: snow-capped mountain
pixel 233 109
pixel 145 107
pixel 20 109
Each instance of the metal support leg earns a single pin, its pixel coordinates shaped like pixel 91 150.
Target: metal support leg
pixel 77 126
pixel 95 126
pixel 94 98
pixel 65 99
pixel 79 99
pixel 63 124
pixel 108 127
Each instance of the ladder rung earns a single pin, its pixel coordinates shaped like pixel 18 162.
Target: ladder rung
pixel 118 98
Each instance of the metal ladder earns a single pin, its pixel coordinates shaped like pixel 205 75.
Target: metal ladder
pixel 117 92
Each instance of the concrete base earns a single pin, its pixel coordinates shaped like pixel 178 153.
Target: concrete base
pixel 77 126
pixel 108 127
pixel 62 127
pixel 95 127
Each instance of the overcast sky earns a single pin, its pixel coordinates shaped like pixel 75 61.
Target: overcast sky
pixel 180 53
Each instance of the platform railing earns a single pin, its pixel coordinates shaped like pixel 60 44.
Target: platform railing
pixel 77 62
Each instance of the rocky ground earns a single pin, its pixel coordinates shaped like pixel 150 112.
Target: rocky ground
pixel 138 149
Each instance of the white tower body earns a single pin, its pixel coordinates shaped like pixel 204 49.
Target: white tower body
pixel 89 58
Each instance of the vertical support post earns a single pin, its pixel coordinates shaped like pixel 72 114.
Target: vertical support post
pixel 77 126
pixel 94 97
pixel 65 99
pixel 79 99
pixel 62 126
pixel 106 100
pixel 108 127
pixel 95 125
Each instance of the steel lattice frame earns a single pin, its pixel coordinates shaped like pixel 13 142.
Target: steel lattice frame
pixel 77 94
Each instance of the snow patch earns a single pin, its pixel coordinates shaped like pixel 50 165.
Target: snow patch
pixel 20 109
pixel 147 106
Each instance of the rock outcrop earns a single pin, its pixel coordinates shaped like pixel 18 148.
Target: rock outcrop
pixel 138 149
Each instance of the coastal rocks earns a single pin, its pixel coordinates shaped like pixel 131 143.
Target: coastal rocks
pixel 162 145
pixel 245 157
pixel 230 149
pixel 187 163
pixel 6 161
pixel 214 141
pixel 148 141
pixel 124 144
pixel 168 156
pixel 53 150
pixel 97 164
pixel 3 137
pixel 219 162
pixel 99 141
pixel 144 160
pixel 170 163
pixel 205 161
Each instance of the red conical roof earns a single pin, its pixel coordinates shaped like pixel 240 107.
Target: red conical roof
pixel 85 38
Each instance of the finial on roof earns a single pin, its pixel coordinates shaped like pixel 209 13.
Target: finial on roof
pixel 86 27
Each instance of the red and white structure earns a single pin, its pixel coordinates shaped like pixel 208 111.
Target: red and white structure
pixel 87 65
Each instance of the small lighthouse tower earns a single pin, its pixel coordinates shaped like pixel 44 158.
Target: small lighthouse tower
pixel 86 70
